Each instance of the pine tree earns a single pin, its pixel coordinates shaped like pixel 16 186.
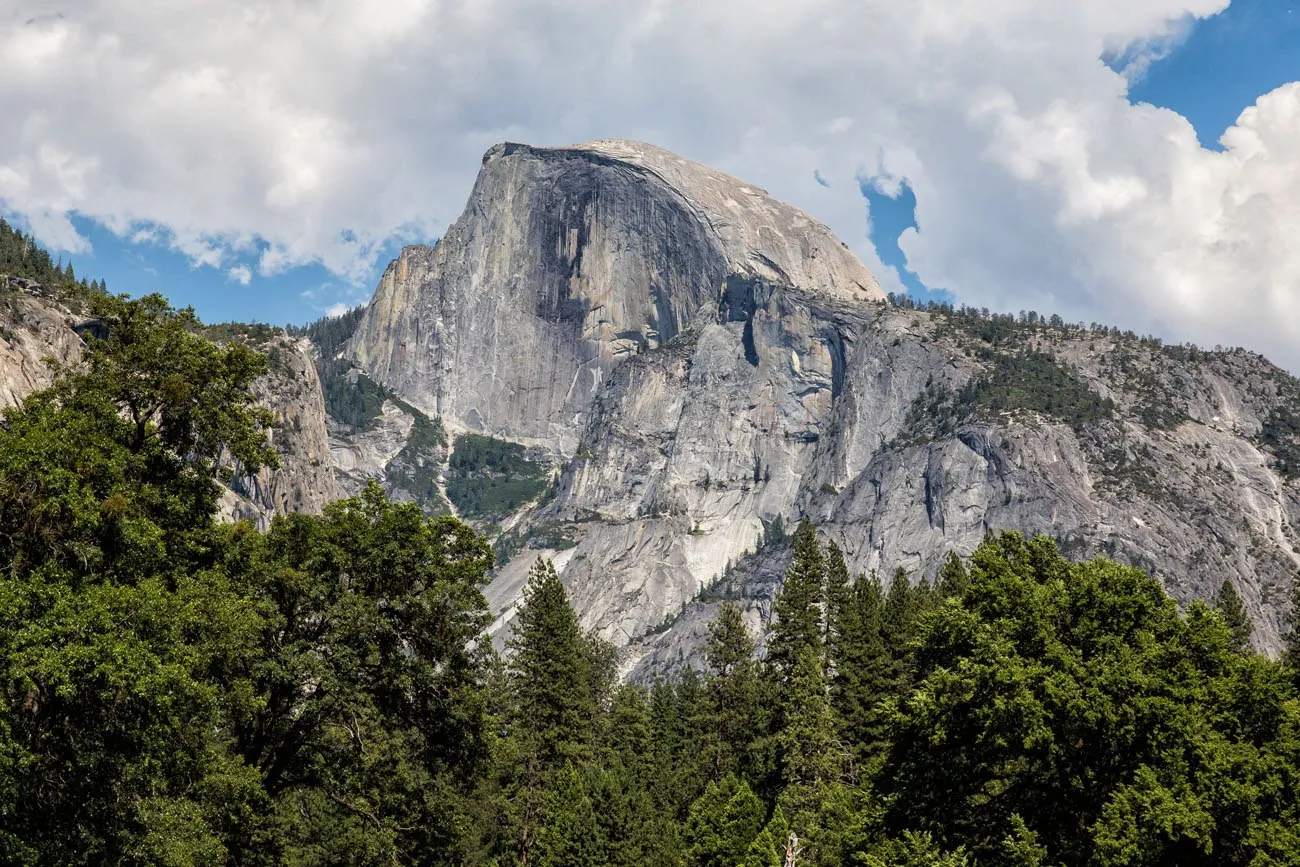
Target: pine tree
pixel 732 687
pixel 552 708
pixel 551 670
pixel 837 599
pixel 953 578
pixel 722 823
pixel 768 848
pixel 1229 604
pixel 571 836
pixel 812 759
pixel 797 609
pixel 864 673
pixel 898 623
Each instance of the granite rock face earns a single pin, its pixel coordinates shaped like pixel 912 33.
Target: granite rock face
pixel 33 332
pixel 699 361
pixel 568 261
pixel 305 480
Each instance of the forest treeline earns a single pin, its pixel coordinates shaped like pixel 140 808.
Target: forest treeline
pixel 178 690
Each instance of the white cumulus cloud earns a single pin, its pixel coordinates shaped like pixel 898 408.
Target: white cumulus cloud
pixel 315 132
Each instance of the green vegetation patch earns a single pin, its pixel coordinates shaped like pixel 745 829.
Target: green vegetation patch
pixel 351 397
pixel 1027 382
pixel 1280 434
pixel 415 468
pixel 490 478
pixel 542 536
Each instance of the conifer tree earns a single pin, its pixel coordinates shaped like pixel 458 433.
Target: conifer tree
pixel 768 848
pixel 811 756
pixel 732 686
pixel 1229 604
pixel 898 623
pixel 797 609
pixel 953 578
pixel 571 836
pixel 552 706
pixel 864 671
pixel 837 598
pixel 722 823
pixel 551 670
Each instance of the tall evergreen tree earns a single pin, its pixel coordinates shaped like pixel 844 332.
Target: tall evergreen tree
pixel 570 836
pixel 864 672
pixel 797 609
pixel 837 596
pixel 1229 604
pixel 733 688
pixel 812 759
pixel 551 671
pixel 553 707
pixel 722 823
pixel 953 578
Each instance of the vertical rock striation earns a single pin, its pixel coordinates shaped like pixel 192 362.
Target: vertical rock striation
pixel 568 261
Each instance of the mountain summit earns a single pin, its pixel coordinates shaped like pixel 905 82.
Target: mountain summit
pixel 699 365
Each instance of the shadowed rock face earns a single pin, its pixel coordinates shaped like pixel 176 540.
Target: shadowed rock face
pixel 567 261
pixel 698 360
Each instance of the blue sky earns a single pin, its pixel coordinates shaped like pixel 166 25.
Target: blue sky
pixel 289 150
pixel 296 295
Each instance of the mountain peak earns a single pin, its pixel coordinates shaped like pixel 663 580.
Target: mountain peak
pixel 759 236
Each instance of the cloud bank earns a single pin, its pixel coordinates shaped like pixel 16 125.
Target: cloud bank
pixel 299 132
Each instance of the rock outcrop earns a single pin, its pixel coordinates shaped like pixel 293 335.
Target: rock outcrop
pixel 305 480
pixel 567 261
pixel 699 361
pixel 37 329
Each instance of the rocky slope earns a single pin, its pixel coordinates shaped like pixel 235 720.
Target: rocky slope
pixel 696 360
pixel 305 480
pixel 37 328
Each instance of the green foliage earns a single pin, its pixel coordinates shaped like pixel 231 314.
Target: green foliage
pixel 415 469
pixel 351 397
pixel 1233 611
pixel 864 670
pixel 23 258
pixel 551 671
pixel 733 691
pixel 178 691
pixel 811 756
pixel 798 608
pixel 722 824
pixel 1063 704
pixel 250 333
pixel 1028 381
pixel 489 478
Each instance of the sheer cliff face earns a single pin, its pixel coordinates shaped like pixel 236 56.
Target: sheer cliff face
pixel 699 360
pixel 568 261
pixel 305 479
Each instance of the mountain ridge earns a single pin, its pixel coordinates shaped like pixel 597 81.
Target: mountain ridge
pixel 588 372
